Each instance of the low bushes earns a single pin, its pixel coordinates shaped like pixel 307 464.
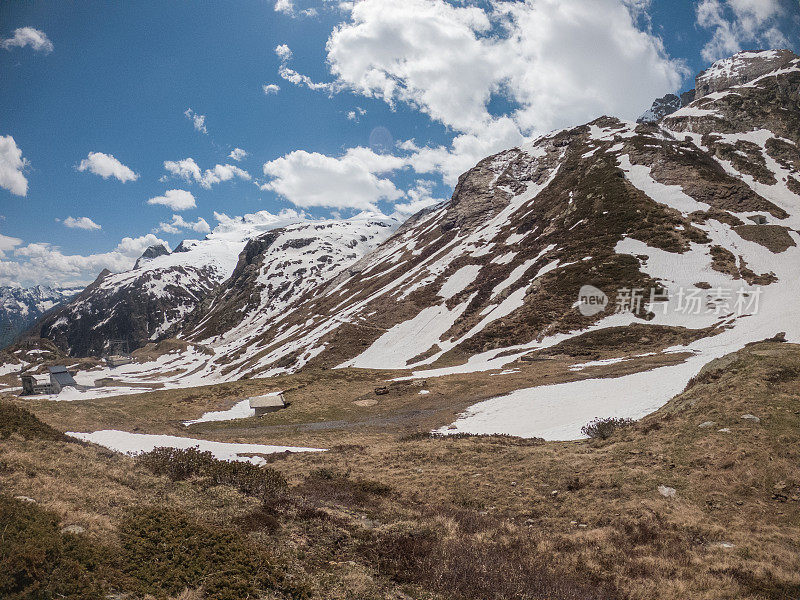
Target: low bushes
pixel 164 552
pixel 161 552
pixel 326 485
pixel 602 429
pixel 38 561
pixel 469 568
pixel 15 420
pixel 264 483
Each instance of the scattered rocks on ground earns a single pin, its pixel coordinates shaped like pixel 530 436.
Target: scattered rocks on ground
pixel 365 403
pixel 724 430
pixel 666 491
pixel 73 529
pixel 707 424
pixel 25 499
pixel 752 418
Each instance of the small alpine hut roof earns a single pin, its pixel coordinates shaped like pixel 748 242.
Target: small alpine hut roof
pixel 61 376
pixel 272 400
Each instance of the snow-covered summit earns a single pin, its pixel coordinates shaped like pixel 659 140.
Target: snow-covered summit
pixel 741 68
pixel 164 288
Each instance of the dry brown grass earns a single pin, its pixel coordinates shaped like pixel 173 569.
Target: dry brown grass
pixel 731 531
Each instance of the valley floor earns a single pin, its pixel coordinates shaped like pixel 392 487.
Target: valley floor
pixel 700 499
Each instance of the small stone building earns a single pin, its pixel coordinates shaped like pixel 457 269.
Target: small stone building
pixel 61 378
pixel 34 385
pixel 267 403
pixel 38 384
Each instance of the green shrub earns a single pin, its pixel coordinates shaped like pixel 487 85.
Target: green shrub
pixel 164 552
pixel 602 429
pixel 264 483
pixel 37 561
pixel 17 420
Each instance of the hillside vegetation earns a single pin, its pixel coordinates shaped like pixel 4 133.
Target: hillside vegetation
pixel 698 500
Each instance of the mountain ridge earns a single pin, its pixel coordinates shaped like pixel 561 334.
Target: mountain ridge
pixel 494 274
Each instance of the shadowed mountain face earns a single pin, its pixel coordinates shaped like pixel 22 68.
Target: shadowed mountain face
pixel 21 307
pixel 705 203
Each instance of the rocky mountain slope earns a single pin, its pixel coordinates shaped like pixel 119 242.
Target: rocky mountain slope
pixel 157 296
pixel 686 228
pixel 21 307
pixel 689 224
pixel 666 105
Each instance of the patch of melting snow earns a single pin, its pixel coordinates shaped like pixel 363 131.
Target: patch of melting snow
pixel 504 372
pixel 71 394
pixel 607 361
pixel 459 280
pixel 137 443
pixel 670 195
pixel 598 363
pixel 559 411
pixel 240 410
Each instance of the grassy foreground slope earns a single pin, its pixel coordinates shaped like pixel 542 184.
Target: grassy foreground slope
pixel 698 500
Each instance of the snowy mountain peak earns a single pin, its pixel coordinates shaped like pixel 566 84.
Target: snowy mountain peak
pixel 742 68
pixel 152 252
pixel 666 105
pixel 164 289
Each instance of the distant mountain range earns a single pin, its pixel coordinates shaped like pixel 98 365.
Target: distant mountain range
pixel 21 307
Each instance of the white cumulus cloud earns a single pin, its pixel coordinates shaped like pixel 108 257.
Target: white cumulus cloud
pixel 284 52
pixel 175 199
pixel 188 170
pixel 351 181
pixel 284 6
pixel 285 55
pixel 12 165
pixel 237 154
pixel 737 23
pixel 81 223
pixel 287 8
pixel 105 165
pixel 178 223
pixel 559 63
pixel 28 36
pixel 8 243
pixel 270 89
pixel 199 121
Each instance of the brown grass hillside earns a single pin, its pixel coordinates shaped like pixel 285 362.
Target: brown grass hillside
pixel 410 516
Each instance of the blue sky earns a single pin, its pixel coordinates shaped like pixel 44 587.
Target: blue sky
pixel 84 82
